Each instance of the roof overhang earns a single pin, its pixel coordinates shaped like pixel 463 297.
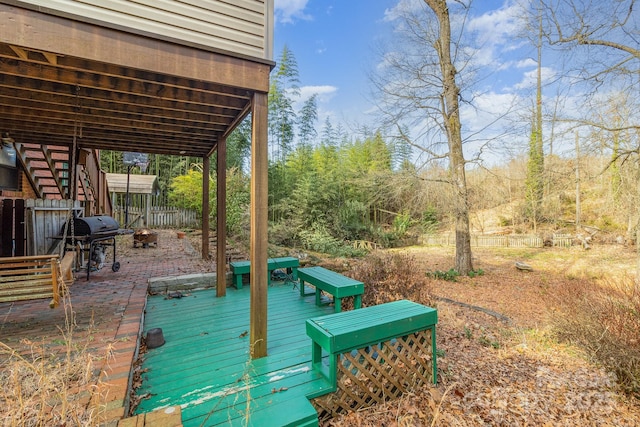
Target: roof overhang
pixel 138 184
pixel 64 80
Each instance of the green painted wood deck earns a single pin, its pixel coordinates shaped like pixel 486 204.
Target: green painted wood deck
pixel 204 366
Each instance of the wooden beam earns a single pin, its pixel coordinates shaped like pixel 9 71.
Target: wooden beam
pixel 206 167
pixel 258 235
pixel 30 111
pixel 92 138
pixel 221 226
pixel 34 30
pixel 39 90
pixel 42 73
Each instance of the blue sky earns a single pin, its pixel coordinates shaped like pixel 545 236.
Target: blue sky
pixel 334 44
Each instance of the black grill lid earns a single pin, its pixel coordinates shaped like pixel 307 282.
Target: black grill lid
pixel 90 225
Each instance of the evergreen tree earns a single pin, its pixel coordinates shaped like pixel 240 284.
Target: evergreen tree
pixel 282 118
pixel 307 124
pixel 535 167
pixel 402 152
pixel 329 136
pixel 535 177
pixel 239 145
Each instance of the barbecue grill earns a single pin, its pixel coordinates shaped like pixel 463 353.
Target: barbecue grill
pixel 92 233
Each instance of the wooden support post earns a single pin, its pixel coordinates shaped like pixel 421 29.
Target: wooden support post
pixel 147 210
pixel 259 206
pixel 206 166
pixel 221 224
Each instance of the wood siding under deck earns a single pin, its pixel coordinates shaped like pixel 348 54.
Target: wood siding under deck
pixel 238 27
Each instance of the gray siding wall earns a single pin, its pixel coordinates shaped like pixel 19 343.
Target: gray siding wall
pixel 239 27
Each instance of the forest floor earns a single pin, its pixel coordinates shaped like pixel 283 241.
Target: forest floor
pixel 499 361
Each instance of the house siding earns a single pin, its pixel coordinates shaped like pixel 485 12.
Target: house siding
pixel 238 27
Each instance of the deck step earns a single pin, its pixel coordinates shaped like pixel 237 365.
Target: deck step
pixel 292 413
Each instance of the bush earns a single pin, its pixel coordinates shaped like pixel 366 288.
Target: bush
pixel 450 276
pixel 318 239
pixel 282 234
pixel 430 217
pixel 391 276
pixel 604 320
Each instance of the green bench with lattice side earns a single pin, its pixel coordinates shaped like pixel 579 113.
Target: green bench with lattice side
pixel 333 283
pixel 357 342
pixel 290 264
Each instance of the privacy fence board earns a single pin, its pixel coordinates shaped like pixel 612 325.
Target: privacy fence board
pixel 44 221
pixel 12 241
pixel 505 241
pixel 159 217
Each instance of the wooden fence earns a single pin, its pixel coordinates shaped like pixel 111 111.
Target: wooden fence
pixel 159 217
pixel 44 220
pixel 33 226
pixel 509 241
pixel 12 236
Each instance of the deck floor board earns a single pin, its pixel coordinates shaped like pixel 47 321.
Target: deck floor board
pixel 205 367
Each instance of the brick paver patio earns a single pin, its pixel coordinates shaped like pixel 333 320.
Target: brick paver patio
pixel 108 312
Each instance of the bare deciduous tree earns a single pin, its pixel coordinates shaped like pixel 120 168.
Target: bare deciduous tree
pixel 419 89
pixel 603 39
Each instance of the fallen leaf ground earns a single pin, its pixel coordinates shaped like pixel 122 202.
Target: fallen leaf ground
pixel 497 372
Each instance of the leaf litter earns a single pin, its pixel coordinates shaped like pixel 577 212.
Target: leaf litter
pixel 495 373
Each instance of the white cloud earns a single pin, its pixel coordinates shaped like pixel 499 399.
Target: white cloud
pixel 488 110
pixel 526 63
pixel 497 26
pixel 401 9
pixel 286 11
pixel 494 32
pixel 324 92
pixel 530 78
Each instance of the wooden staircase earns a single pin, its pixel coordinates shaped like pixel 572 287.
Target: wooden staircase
pixel 47 169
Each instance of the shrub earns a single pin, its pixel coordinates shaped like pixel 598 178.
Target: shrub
pixel 318 239
pixel 450 275
pixel 476 273
pixel 604 319
pixel 430 217
pixel 391 276
pixel 401 224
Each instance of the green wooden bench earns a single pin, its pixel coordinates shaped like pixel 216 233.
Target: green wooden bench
pixel 340 333
pixel 333 283
pixel 238 268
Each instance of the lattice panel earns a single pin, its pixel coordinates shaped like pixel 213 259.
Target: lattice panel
pixel 378 373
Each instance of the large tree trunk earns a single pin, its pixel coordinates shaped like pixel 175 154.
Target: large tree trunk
pixel 451 115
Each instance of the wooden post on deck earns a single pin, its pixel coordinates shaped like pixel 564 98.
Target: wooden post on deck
pixel 259 206
pixel 221 222
pixel 206 166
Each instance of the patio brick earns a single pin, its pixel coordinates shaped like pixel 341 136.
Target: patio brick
pixel 108 311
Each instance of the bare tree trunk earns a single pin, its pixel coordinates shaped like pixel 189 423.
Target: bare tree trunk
pixel 451 115
pixel 578 205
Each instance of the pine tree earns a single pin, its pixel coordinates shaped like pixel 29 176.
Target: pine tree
pixel 307 132
pixel 282 118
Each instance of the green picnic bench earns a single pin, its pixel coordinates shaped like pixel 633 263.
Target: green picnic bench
pixel 238 268
pixel 344 332
pixel 333 283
